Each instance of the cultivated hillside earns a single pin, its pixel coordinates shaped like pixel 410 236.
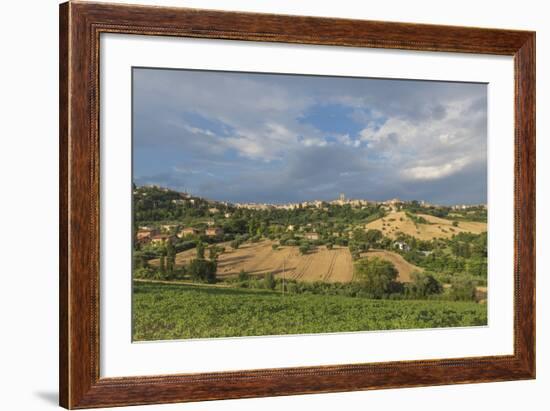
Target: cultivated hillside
pixel 423 226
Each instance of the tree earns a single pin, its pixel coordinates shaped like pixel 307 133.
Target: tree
pixel 162 264
pixel 202 270
pixel 200 250
pixel 463 290
pixel 377 276
pixel 243 276
pixel 373 236
pixel 269 281
pixel 423 285
pixel 360 235
pixel 305 247
pixel 235 244
pixel 170 257
pixel 213 253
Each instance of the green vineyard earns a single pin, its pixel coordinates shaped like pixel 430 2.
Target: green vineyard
pixel 176 311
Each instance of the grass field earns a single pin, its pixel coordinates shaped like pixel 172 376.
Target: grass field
pixel 164 311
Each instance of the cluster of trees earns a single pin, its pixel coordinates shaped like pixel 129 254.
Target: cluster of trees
pixel 464 256
pixel 375 279
pixel 473 213
pixel 199 269
pixel 362 240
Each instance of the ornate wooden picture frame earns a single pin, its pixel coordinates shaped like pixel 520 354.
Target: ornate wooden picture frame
pixel 81 25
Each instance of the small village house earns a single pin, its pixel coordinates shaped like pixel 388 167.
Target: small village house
pixel 161 239
pixel 188 231
pixel 402 246
pixel 312 236
pixel 214 232
pixel 168 228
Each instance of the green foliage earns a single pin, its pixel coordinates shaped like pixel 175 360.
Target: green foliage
pixel 162 264
pixel 373 236
pixel 170 257
pixel 202 270
pixel 200 251
pixel 269 281
pixel 243 276
pixel 463 290
pixel 423 285
pixel 164 312
pixel 417 219
pixel 305 247
pixel 378 276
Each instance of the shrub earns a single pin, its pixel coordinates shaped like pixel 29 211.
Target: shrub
pixel 305 247
pixel 143 272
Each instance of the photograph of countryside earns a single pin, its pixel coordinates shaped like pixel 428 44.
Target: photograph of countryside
pixel 274 204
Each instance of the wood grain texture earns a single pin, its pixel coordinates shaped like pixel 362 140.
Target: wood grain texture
pixel 80 27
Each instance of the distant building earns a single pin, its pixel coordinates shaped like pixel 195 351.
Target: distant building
pixel 144 236
pixel 402 246
pixel 214 232
pixel 162 238
pixel 227 215
pixel 213 210
pixel 312 236
pixel 168 227
pixel 290 227
pixel 188 231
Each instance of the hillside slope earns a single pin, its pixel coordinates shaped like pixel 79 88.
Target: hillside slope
pixel 398 221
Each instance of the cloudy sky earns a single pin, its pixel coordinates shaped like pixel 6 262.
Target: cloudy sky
pixel 245 137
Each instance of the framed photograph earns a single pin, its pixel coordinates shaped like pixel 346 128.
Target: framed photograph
pixel 259 205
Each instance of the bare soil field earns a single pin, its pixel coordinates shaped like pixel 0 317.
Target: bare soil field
pixel 403 266
pixel 259 258
pixel 398 221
